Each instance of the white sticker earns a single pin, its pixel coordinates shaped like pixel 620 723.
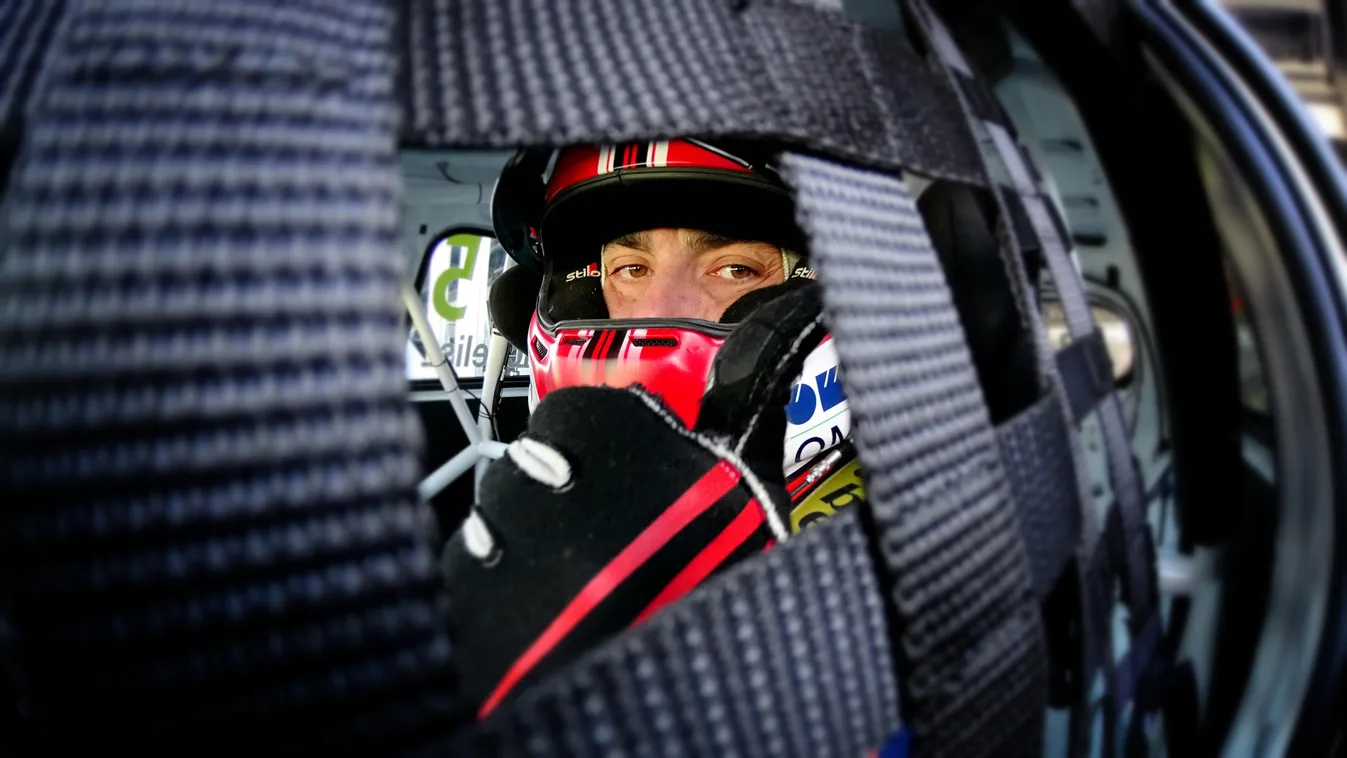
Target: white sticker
pixel 817 415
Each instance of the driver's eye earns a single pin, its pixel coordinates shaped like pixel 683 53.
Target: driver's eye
pixel 736 271
pixel 633 271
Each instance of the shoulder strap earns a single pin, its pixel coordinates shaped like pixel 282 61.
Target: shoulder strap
pixel 480 73
pixel 26 28
pixel 969 637
pixel 209 533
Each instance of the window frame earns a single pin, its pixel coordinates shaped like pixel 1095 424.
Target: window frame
pixel 420 385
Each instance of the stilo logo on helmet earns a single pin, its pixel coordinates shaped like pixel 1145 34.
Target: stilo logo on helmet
pixel 592 271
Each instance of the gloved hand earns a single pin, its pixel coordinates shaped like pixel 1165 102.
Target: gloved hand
pixel 609 507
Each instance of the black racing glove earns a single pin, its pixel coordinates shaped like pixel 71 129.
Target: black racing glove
pixel 609 507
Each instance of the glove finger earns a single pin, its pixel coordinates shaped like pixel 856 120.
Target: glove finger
pixel 752 375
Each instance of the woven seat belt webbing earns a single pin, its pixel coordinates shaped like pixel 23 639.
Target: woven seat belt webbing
pixel 484 73
pixel 945 522
pixel 1136 559
pixel 1087 373
pixel 209 533
pixel 1075 303
pixel 1035 451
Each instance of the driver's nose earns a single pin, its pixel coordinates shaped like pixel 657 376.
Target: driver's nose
pixel 675 294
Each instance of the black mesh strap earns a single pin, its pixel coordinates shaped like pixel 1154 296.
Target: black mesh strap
pixel 26 27
pixel 1043 482
pixel 209 535
pixel 1087 373
pixel 487 73
pixel 1006 159
pixel 1007 165
pixel 970 645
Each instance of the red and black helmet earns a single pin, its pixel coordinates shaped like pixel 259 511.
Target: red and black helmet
pixel 564 205
pixel 554 210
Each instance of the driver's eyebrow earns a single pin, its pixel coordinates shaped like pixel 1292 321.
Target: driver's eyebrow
pixel 636 241
pixel 696 241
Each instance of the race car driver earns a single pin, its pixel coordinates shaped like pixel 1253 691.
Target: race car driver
pixel 672 326
pixel 685 236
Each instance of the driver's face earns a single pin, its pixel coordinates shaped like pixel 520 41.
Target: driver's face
pixel 684 273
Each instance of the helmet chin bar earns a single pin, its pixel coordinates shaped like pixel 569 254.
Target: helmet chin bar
pixel 481 448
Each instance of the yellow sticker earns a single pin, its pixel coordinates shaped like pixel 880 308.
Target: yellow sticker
pixel 843 488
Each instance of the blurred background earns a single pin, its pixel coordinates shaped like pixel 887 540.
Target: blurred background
pixel 1307 39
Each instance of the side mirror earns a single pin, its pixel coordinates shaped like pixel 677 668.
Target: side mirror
pixel 1119 337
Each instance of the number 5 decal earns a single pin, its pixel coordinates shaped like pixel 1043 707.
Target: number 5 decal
pixel 439 292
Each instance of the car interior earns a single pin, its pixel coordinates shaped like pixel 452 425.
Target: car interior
pixel 1165 312
pixel 1205 217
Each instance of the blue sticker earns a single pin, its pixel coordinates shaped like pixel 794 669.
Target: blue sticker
pixel 802 404
pixel 897 745
pixel 829 389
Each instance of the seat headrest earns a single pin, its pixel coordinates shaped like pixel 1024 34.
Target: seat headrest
pixel 511 301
